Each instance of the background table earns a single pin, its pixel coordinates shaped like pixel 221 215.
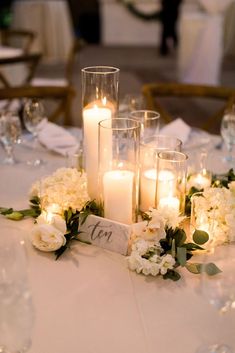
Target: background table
pixel 89 302
pixel 201 46
pixel 52 22
pixel 16 73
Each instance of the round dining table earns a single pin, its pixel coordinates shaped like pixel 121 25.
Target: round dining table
pixel 88 300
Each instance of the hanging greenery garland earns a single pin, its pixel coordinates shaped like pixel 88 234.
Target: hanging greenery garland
pixel 155 15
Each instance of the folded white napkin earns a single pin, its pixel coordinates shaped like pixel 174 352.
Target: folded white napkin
pixel 177 128
pixel 56 138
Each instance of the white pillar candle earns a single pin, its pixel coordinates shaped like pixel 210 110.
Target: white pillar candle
pixel 92 115
pixel 118 195
pixel 147 189
pixel 170 202
pixel 148 180
pixel 166 184
pixel 199 181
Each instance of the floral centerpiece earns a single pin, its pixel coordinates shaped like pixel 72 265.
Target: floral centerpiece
pixel 159 242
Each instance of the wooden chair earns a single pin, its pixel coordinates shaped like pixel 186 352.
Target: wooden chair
pixel 205 107
pixel 77 46
pixel 60 96
pixel 18 38
pixel 30 61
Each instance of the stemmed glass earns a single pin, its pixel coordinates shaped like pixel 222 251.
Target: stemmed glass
pixel 219 290
pixel 33 116
pixel 16 308
pixel 10 132
pixel 228 134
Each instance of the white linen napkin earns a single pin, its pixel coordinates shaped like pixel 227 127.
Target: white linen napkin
pixel 57 139
pixel 177 128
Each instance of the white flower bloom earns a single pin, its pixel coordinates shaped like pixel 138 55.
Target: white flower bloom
pixel 217 210
pixel 135 262
pixel 56 221
pixel 167 262
pixel 45 237
pixel 66 187
pixel 140 246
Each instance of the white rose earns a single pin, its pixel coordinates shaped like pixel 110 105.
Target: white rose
pixel 56 220
pixel 46 237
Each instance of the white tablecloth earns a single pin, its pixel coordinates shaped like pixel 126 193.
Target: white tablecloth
pixel 89 302
pixel 201 46
pixel 51 20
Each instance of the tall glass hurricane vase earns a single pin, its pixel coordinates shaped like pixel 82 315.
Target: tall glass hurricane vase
pixel 119 168
pixel 99 102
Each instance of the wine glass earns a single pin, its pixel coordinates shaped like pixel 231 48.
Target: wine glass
pixel 17 314
pixel 228 134
pixel 219 290
pixel 33 117
pixel 10 132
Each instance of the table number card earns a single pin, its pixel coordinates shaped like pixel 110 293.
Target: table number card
pixel 106 234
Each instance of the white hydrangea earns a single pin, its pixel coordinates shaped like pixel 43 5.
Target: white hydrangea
pixel 66 187
pixel 154 264
pixel 216 210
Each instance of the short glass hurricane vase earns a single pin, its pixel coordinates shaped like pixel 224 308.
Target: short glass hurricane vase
pixel 171 181
pixel 99 102
pixel 119 169
pixel 149 148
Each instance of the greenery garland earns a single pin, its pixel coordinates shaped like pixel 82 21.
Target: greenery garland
pixel 156 15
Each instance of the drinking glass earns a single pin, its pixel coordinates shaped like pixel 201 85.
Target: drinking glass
pixel 149 121
pixel 33 115
pixel 228 134
pixel 219 290
pixel 10 132
pixel 16 306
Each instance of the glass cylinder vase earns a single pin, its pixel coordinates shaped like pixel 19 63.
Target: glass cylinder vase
pixel 99 102
pixel 119 168
pixel 171 181
pixel 149 148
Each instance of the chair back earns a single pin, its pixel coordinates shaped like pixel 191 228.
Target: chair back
pixel 18 38
pixel 200 105
pixel 77 47
pixel 30 61
pixel 57 100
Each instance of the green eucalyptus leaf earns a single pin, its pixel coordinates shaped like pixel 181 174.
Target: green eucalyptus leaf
pixel 193 267
pixel 4 211
pixel 211 269
pixel 181 256
pixel 180 237
pixel 192 246
pixel 172 274
pixel 200 237
pixel 15 216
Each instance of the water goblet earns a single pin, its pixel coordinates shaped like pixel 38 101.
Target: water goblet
pixel 10 132
pixel 227 130
pixel 33 116
pixel 219 290
pixel 16 307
